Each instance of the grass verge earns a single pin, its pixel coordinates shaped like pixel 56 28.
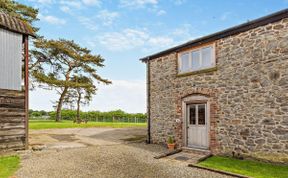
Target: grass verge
pixel 246 167
pixel 37 124
pixel 8 165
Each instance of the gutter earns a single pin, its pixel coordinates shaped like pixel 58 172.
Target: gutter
pixel 148 102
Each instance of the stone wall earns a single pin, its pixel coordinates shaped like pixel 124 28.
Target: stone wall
pixel 248 90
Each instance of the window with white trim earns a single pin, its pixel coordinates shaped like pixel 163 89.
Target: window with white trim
pixel 196 59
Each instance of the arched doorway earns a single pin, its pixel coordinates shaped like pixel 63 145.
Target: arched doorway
pixel 196 117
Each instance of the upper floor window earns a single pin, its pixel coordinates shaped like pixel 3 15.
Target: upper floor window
pixel 196 59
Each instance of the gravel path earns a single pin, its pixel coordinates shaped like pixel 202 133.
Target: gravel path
pixel 106 161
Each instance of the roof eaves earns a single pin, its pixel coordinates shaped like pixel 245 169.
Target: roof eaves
pixel 15 25
pixel 225 33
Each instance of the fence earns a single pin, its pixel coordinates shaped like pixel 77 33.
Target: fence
pixel 114 119
pixel 100 119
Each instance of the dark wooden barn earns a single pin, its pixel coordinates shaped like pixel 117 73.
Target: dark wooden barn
pixel 14 85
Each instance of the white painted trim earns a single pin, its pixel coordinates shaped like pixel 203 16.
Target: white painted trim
pixel 190 59
pixel 180 69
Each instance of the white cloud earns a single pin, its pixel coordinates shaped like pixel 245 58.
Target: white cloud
pixel 156 10
pixel 88 23
pixel 137 3
pixel 104 17
pixel 144 40
pixel 128 95
pixel 71 3
pixel 43 2
pixel 179 2
pixel 91 2
pixel 78 4
pixel 65 9
pixel 184 31
pixel 225 16
pixel 124 94
pixel 151 5
pixel 132 38
pixel 52 19
pixel 107 17
pixel 161 12
pixel 160 41
pixel 127 39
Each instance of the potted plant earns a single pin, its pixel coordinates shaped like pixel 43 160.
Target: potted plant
pixel 170 143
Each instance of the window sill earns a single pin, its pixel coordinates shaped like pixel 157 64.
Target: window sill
pixel 197 72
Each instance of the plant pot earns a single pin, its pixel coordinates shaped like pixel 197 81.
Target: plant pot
pixel 171 146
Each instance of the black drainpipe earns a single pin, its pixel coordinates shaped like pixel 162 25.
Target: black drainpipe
pixel 148 101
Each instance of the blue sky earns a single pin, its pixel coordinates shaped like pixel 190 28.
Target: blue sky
pixel 123 31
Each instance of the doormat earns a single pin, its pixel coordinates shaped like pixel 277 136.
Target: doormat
pixel 181 158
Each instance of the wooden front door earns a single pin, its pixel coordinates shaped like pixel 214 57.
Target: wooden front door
pixel 197 126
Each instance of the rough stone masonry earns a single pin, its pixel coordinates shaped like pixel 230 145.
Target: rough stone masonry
pixel 248 91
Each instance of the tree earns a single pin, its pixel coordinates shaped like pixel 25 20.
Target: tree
pixel 80 95
pixel 61 61
pixel 26 13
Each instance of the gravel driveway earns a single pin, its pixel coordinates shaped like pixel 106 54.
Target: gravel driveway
pixel 112 158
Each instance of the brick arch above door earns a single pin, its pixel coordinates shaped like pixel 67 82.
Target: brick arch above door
pixel 204 94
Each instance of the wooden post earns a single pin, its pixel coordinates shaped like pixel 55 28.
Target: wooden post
pixel 26 83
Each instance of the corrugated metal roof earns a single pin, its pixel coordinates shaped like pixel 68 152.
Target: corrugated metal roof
pixel 16 25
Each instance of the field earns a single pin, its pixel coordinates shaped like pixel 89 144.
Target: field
pixel 8 165
pixel 48 124
pixel 246 167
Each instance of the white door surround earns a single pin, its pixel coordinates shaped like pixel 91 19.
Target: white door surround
pixel 195 132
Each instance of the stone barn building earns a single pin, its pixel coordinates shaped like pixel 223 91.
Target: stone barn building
pixel 225 93
pixel 13 82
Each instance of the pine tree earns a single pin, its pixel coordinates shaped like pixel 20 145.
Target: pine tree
pixel 61 63
pixel 80 95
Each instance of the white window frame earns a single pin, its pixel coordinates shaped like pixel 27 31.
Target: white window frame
pixel 190 59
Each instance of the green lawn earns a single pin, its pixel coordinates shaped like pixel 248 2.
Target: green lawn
pixel 8 165
pixel 37 124
pixel 246 167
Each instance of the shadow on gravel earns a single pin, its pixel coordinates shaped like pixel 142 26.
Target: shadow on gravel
pixel 128 136
pixel 64 137
pixel 120 135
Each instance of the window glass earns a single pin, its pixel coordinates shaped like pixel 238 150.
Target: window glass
pixel 192 115
pixel 195 60
pixel 201 115
pixel 185 62
pixel 207 57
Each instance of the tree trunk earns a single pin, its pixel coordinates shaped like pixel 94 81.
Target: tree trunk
pixel 60 103
pixel 62 96
pixel 78 107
